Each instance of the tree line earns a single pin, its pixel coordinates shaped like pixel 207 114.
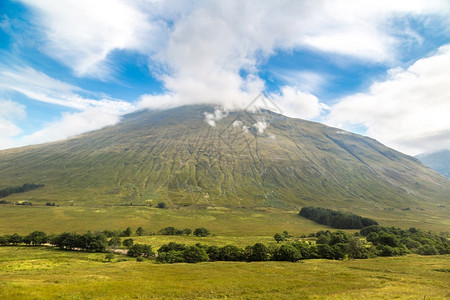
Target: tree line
pixel 371 241
pixel 19 189
pixel 200 231
pixel 336 219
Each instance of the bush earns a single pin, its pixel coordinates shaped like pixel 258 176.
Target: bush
pixel 138 250
pixel 201 231
pixel 278 237
pixel 257 252
pixel 128 242
pixel 213 253
pixel 230 253
pixel 194 254
pixel 162 205
pixel 171 257
pixel 287 252
pixel 170 231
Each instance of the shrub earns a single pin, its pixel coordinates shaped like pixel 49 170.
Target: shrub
pixel 201 231
pixel 287 252
pixel 230 253
pixel 194 254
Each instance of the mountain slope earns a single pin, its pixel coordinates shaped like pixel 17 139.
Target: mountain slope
pixel 438 161
pixel 175 157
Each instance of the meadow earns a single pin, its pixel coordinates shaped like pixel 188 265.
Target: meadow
pixel 262 221
pixel 48 273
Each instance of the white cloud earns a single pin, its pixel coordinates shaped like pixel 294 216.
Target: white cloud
pixel 70 125
pixel 305 81
pixel 408 111
pixel 10 112
pixel 199 48
pixel 82 33
pixel 92 113
pixel 212 118
pixel 38 86
pixel 295 103
pixel 260 126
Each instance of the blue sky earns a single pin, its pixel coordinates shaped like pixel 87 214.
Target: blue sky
pixel 378 69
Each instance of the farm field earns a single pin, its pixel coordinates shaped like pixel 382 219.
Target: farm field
pixel 45 272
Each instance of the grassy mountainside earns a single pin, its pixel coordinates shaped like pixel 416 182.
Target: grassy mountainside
pixel 438 161
pixel 176 157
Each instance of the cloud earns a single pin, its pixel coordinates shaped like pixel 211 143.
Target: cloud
pixel 212 118
pixel 69 125
pixel 38 86
pixel 10 112
pixel 260 126
pixel 91 113
pixel 212 51
pixel 408 111
pixel 305 81
pixel 82 33
pixel 295 103
pixel 198 49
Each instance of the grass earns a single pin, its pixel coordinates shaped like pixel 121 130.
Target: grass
pixel 47 273
pixel 221 221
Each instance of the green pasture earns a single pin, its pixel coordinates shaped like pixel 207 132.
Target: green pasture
pixel 48 273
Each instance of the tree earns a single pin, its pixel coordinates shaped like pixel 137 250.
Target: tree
pixel 109 256
pixel 278 237
pixel 194 254
pixel 99 243
pixel 170 231
pixel 187 231
pixel 258 252
pixel 285 234
pixel 339 250
pixel 15 239
pixel 4 240
pixel 201 231
pixel 287 252
pixel 357 249
pixel 140 231
pixel 128 231
pixel 230 253
pixel 171 257
pixel 37 238
pixel 213 253
pixel 128 243
pixel 114 242
pixel 141 250
pixel 325 251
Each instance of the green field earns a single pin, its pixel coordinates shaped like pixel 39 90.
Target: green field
pixel 47 273
pixel 221 221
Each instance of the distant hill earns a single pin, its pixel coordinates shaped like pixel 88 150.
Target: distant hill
pixel 438 161
pixel 174 156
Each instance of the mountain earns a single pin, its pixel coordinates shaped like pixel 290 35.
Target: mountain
pixel 438 161
pixel 245 160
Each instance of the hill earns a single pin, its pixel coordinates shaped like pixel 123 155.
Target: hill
pixel 174 156
pixel 438 161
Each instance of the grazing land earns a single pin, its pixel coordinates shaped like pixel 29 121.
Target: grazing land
pixel 220 220
pixel 44 273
